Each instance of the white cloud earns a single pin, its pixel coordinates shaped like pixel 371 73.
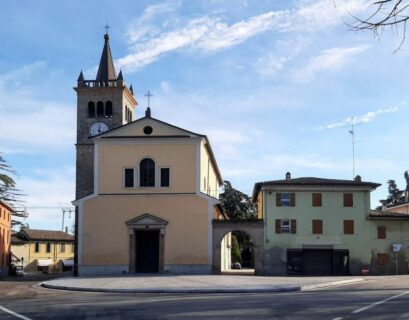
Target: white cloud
pixel 323 14
pixel 222 36
pixel 47 127
pixel 151 50
pixel 363 118
pixel 269 65
pixel 28 124
pixel 46 192
pixel 166 87
pixel 208 34
pixel 285 50
pixel 328 60
pixel 142 27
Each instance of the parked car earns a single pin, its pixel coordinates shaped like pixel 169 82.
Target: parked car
pixel 19 271
pixel 236 265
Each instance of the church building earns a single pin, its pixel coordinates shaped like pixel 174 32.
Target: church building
pixel 146 190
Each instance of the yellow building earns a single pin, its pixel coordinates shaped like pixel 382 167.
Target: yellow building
pixel 146 190
pixel 153 203
pixel 43 250
pixel 5 234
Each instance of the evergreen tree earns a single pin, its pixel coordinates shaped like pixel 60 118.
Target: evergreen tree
pixel 393 192
pixel 236 204
pixel 8 191
pixel 235 250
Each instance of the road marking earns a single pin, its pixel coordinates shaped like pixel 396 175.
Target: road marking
pixel 339 318
pixel 14 313
pixel 379 302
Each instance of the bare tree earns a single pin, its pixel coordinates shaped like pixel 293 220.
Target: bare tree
pixel 386 14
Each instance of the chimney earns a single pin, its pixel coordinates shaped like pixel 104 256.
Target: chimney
pixel 358 178
pixel 66 229
pixel 288 176
pixel 384 207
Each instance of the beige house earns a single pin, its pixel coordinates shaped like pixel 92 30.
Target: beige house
pixel 398 208
pixel 46 251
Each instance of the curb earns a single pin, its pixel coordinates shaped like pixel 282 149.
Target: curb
pixel 330 284
pixel 178 290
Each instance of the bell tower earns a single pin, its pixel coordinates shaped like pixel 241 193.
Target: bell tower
pixel 102 104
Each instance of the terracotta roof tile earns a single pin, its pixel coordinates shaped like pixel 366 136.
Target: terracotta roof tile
pixel 312 181
pixel 33 234
pixel 387 214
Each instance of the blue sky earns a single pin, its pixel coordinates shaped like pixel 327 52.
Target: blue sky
pixel 272 83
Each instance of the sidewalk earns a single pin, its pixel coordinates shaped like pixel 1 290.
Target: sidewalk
pixel 195 283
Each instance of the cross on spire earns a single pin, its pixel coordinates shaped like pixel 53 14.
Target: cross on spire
pixel 149 95
pixel 107 27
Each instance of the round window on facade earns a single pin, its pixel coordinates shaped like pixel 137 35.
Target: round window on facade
pixel 147 130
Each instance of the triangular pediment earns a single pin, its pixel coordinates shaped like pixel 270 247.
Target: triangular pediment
pixel 146 220
pixel 148 128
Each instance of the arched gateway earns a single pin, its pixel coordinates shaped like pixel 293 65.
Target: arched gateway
pixel 255 230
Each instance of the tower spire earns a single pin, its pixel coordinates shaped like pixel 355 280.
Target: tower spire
pixel 106 70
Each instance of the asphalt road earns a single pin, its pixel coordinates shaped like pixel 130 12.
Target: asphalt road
pixel 385 298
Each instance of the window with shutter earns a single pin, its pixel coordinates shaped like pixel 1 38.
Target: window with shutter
pixel 278 226
pixel 317 227
pixel 381 232
pixel 293 226
pixel 348 226
pixel 348 200
pixel 292 199
pixel 285 199
pixel 285 226
pixel 317 199
pixel 278 199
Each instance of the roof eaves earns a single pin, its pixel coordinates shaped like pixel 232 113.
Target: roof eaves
pixel 213 160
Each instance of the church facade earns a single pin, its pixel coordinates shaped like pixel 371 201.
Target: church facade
pixel 146 190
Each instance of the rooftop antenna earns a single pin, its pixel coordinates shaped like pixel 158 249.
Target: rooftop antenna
pixel 352 132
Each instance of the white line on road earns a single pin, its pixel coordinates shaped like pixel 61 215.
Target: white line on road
pixel 339 318
pixel 379 302
pixel 14 313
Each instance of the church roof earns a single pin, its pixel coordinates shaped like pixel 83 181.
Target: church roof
pixel 106 69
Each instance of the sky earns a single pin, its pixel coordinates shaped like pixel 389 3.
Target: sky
pixel 274 84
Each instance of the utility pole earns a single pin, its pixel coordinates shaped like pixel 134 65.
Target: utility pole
pixel 65 210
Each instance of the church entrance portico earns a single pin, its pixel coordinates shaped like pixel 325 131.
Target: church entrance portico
pixel 146 244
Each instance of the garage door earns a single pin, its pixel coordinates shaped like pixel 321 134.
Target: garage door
pixel 317 262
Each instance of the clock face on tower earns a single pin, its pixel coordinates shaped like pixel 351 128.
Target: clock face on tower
pixel 98 128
